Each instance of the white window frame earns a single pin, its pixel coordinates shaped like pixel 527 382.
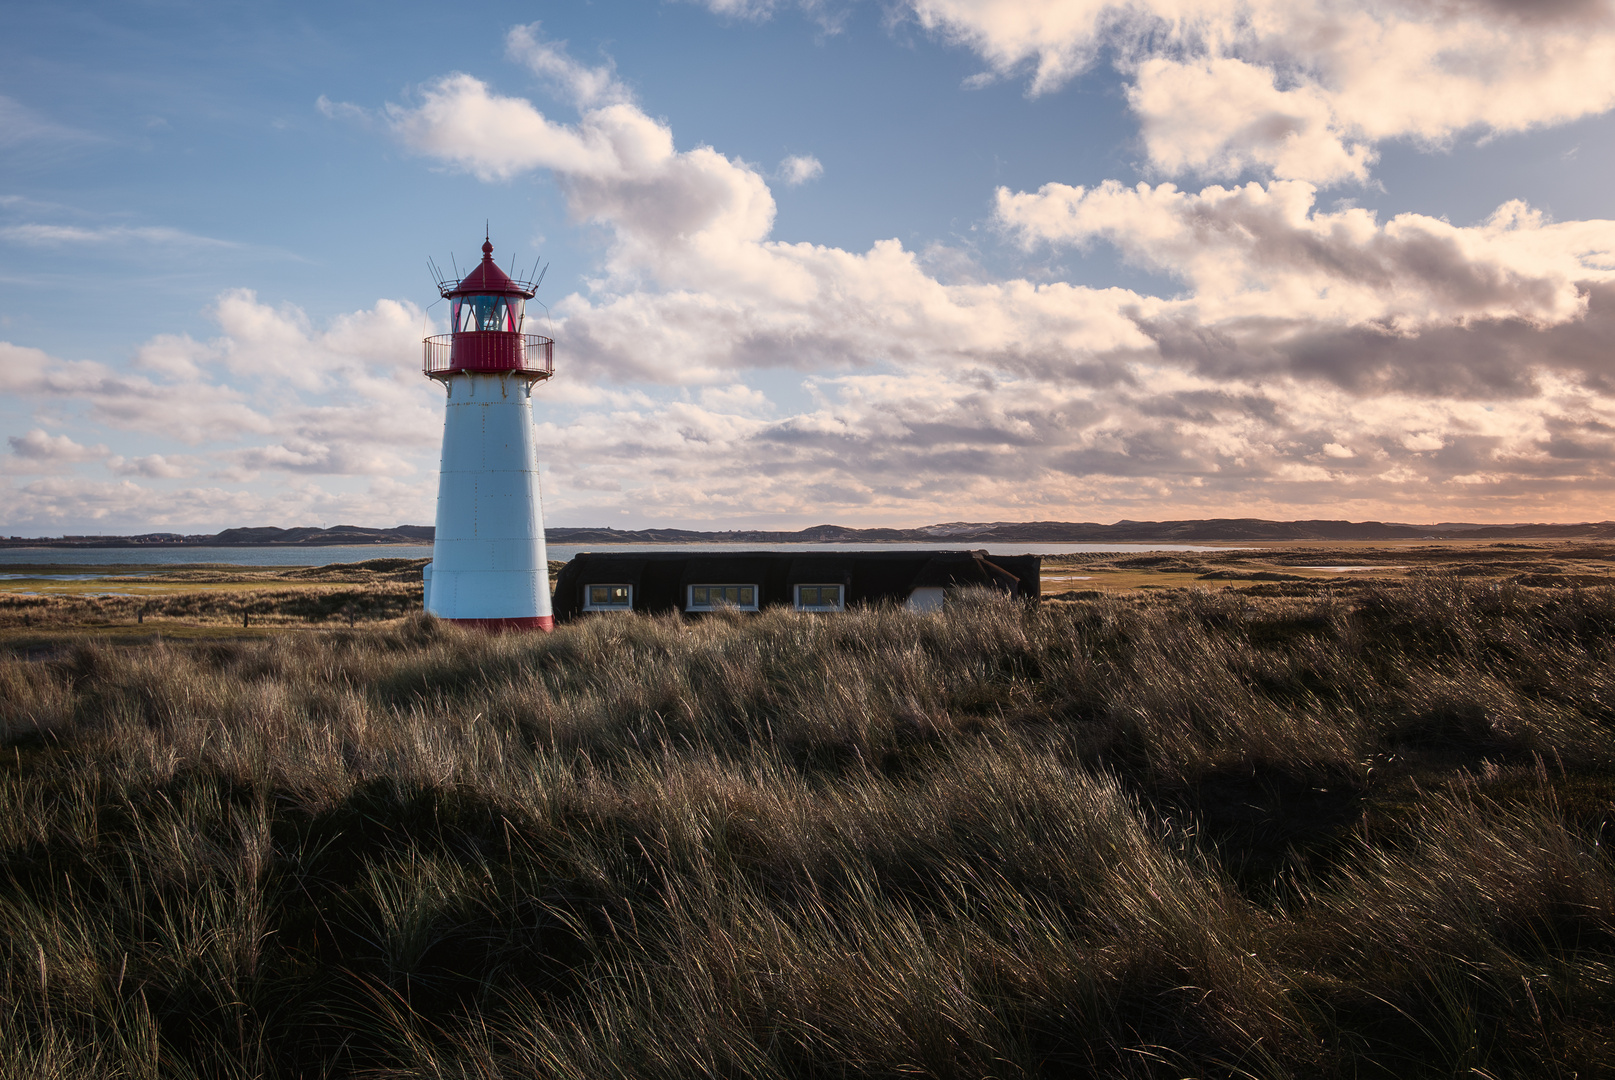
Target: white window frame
pixel 839 605
pixel 590 605
pixel 691 605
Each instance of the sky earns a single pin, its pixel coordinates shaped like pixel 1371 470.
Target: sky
pixel 885 263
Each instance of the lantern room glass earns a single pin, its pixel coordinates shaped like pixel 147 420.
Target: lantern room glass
pixel 473 313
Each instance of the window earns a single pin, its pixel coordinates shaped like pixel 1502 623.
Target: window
pixel 608 597
pixel 711 597
pixel 487 313
pixel 818 598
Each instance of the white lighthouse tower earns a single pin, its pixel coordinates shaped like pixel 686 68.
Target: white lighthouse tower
pixel 489 565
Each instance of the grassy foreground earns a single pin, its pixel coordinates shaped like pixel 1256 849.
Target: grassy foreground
pixel 1170 834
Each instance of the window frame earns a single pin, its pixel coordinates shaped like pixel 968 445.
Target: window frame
pixel 839 605
pixel 588 597
pixel 691 605
pixel 507 311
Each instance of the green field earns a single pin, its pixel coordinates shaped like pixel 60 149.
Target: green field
pixel 1309 824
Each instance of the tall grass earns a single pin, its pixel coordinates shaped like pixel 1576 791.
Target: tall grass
pixel 1193 834
pixel 260 607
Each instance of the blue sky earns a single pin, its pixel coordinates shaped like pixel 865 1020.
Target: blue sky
pixel 871 264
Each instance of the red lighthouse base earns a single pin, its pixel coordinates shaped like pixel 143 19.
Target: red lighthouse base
pixel 541 623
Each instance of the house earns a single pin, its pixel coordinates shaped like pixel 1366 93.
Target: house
pixel 701 581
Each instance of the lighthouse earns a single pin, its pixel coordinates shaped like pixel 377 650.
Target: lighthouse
pixel 489 565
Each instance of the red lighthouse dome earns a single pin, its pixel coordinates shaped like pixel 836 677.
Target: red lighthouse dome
pixel 487 308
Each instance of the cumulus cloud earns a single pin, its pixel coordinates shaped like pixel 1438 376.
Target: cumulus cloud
pixel 1303 89
pixel 913 447
pixel 672 213
pixel 194 413
pixel 694 285
pixel 459 119
pixel 1316 362
pixel 73 503
pixel 272 398
pixel 1316 359
pixel 1225 117
pixel 1267 250
pixel 41 446
pixel 1056 39
pixel 1276 285
pixel 155 466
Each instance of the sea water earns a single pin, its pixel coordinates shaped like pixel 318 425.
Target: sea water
pixel 185 555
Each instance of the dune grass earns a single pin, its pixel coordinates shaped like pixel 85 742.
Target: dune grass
pixel 1198 833
pixel 223 605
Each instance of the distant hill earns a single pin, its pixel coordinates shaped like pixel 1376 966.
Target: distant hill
pixel 962 532
pixel 266 536
pixel 1199 530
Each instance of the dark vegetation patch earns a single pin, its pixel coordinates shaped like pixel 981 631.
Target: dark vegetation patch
pixel 1347 829
pixel 1249 575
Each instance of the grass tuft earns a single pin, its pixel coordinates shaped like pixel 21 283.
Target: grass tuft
pixel 1180 833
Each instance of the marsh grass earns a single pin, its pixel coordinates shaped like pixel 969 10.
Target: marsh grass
pixel 261 607
pixel 1154 835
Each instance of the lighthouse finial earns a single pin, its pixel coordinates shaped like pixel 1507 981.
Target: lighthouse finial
pixel 487 244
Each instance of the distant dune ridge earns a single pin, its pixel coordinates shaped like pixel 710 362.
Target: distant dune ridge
pixel 1202 529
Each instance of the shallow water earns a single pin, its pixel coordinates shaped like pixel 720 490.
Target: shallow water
pixel 324 556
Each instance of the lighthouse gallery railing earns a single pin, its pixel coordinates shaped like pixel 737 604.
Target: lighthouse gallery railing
pixel 489 350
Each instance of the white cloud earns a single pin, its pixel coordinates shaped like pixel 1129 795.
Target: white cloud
pixel 1267 251
pixel 41 235
pixel 1058 39
pixel 1225 117
pixel 156 466
pixel 75 503
pixel 799 169
pixel 1301 334
pixel 494 137
pixel 923 446
pixel 744 9
pixel 737 399
pixel 583 86
pixel 342 110
pixel 1303 89
pixel 272 398
pixel 1317 362
pixel 41 446
pixel 830 16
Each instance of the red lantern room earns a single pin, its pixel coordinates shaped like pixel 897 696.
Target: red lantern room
pixel 487 308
